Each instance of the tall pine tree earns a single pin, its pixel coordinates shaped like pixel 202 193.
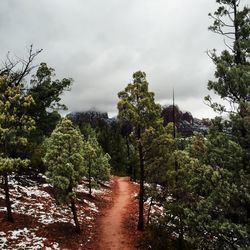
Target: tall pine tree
pixel 65 162
pixel 15 126
pixel 97 163
pixel 137 106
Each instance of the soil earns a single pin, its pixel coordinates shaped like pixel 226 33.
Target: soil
pixel 117 223
pixel 114 227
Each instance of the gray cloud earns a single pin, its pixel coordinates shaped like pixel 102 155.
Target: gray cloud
pixel 101 43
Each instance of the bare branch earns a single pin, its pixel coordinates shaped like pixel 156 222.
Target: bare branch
pixel 229 16
pixel 26 64
pixel 221 22
pixel 226 34
pixel 17 69
pixel 228 46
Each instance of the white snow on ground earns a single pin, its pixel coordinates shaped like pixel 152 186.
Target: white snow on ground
pixel 27 200
pixel 24 239
pixel 83 188
pixel 36 202
pixel 38 210
pixel 135 195
pixel 32 192
pixel 3 240
pixel 92 205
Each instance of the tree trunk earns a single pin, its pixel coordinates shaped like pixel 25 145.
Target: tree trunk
pixel 73 208
pixel 134 173
pixel 140 226
pixel 149 210
pixel 90 190
pixel 238 59
pixel 181 233
pixel 7 198
pixel 131 167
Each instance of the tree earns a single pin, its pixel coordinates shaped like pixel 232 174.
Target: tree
pixel 125 130
pixel 15 125
pixel 109 136
pixel 233 81
pixel 17 69
pixel 222 200
pixel 232 66
pixel 219 217
pixel 97 162
pixel 46 93
pixel 137 106
pixel 65 162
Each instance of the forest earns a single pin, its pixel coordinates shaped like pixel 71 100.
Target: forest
pixel 188 179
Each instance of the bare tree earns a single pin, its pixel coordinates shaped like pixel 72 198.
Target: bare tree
pixel 16 69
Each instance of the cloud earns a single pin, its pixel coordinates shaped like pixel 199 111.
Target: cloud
pixel 101 43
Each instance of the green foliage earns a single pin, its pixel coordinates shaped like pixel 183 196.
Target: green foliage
pixel 109 135
pixel 159 154
pixel 10 164
pixel 207 204
pixel 46 93
pixel 137 104
pixel 97 162
pixel 137 107
pixel 64 159
pixel 232 66
pixel 206 198
pixel 217 218
pixel 15 124
pixel 117 149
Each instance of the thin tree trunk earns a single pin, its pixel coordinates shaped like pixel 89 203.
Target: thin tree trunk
pixel 7 198
pixel 181 233
pixel 90 190
pixel 149 210
pixel 134 173
pixel 140 226
pixel 130 167
pixel 73 208
pixel 238 59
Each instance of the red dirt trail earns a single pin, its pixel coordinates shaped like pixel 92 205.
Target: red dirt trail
pixel 113 234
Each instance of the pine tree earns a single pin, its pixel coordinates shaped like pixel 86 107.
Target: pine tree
pixel 232 66
pixel 15 125
pixel 65 162
pixel 218 217
pixel 97 162
pixel 232 81
pixel 46 92
pixel 137 106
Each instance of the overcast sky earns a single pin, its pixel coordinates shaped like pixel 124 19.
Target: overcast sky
pixel 100 43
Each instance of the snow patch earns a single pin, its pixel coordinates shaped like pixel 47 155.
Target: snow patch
pixel 24 239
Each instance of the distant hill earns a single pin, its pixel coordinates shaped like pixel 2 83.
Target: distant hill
pixel 185 122
pixel 95 118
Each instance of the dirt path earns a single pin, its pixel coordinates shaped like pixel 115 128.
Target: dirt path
pixel 113 234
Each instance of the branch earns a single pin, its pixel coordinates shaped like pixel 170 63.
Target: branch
pixel 26 64
pixel 16 73
pixel 229 47
pixel 229 15
pixel 226 34
pixel 222 22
